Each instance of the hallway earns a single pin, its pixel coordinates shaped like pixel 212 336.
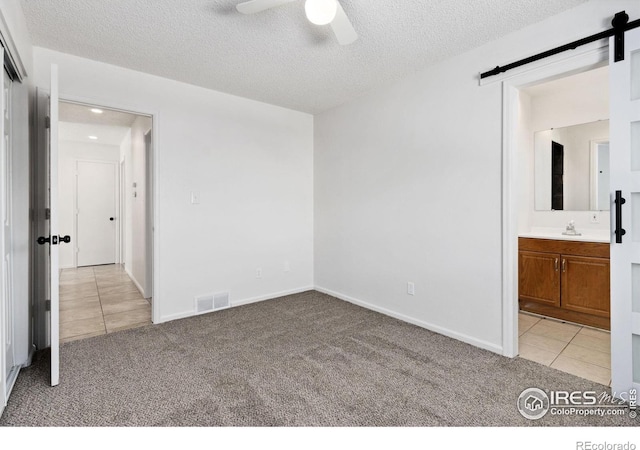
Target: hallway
pixel 99 300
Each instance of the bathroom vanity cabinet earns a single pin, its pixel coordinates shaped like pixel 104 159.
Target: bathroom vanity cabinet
pixel 568 280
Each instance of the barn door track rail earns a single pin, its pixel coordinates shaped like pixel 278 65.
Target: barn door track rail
pixel 620 24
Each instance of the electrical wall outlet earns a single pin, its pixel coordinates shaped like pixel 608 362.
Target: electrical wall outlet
pixel 258 272
pixel 595 218
pixel 411 288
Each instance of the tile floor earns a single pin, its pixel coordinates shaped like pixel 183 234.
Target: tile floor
pixel 99 300
pixel 578 350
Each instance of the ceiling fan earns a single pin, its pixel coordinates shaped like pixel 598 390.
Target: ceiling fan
pixel 319 12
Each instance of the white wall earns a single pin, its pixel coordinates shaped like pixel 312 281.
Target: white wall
pixel 252 164
pixel 69 153
pixel 408 186
pixel 573 105
pixel 528 189
pixel 138 162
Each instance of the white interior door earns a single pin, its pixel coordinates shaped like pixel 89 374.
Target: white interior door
pixel 6 226
pixel 96 213
pixel 54 274
pixel 625 249
pixel 5 320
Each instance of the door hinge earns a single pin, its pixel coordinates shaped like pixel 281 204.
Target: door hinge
pixel 47 214
pixel 47 305
pixel 47 122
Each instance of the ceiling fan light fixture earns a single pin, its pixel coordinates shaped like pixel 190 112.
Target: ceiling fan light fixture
pixel 321 12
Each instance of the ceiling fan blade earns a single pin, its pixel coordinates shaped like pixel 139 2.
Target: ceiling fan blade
pixel 256 6
pixel 341 25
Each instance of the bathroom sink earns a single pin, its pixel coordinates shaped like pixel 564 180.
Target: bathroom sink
pixel 559 234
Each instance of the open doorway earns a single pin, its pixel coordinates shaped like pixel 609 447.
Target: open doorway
pixel 564 225
pixel 105 203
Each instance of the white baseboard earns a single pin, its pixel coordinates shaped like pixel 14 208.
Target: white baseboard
pixel 271 296
pixel 236 303
pixel 172 317
pixel 429 326
pixel 134 281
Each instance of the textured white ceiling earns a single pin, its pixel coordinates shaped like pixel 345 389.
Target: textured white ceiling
pixel 77 113
pixel 80 132
pixel 277 56
pixel 77 123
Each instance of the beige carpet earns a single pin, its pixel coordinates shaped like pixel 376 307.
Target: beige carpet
pixel 306 359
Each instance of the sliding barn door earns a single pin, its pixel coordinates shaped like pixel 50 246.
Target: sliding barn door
pixel 625 192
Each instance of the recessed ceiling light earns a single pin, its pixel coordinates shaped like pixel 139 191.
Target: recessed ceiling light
pixel 93 138
pixel 96 110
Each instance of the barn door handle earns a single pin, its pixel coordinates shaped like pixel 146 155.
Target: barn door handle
pixel 619 230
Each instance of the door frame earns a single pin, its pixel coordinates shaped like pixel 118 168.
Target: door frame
pixel 593 56
pixel 153 170
pixel 148 238
pixel 115 165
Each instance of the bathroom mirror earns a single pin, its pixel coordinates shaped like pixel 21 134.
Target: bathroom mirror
pixel 572 168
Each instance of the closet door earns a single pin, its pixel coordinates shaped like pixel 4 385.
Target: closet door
pixel 6 321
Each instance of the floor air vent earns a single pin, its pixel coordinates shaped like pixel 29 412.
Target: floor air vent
pixel 208 303
pixel 221 301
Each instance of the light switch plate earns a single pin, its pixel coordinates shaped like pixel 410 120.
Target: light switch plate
pixel 195 198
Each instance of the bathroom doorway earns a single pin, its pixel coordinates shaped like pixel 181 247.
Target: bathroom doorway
pixel 564 224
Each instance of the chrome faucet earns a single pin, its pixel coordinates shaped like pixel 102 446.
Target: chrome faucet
pixel 571 229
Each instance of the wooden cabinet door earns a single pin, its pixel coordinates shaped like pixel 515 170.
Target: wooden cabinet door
pixel 539 277
pixel 585 285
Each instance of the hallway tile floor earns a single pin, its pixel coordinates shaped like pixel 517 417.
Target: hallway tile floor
pixel 581 351
pixel 99 300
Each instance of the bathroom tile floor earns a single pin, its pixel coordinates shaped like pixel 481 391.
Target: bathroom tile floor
pixel 578 350
pixel 99 300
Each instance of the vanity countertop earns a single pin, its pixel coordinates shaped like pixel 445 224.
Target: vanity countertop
pixel 602 236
